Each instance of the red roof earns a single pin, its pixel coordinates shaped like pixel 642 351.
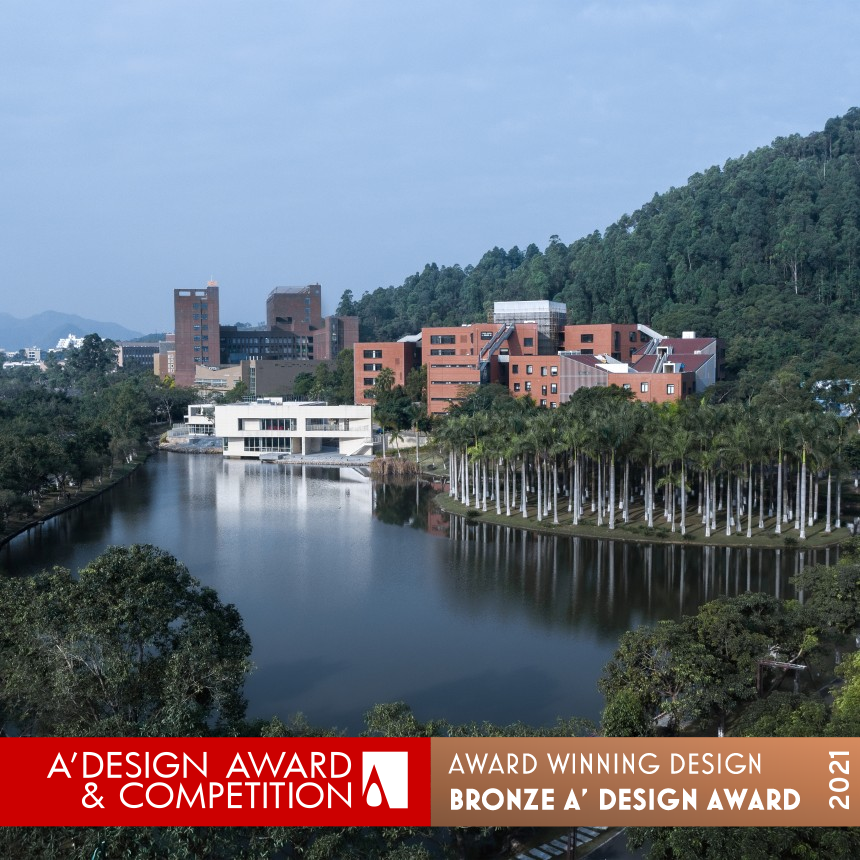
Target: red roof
pixel 687 345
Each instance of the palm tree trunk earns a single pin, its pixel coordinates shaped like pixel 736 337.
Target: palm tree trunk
pixel 728 505
pixel 465 497
pixel 708 503
pixel 626 489
pixel 498 488
pixel 838 500
pixel 683 497
pixel 761 495
pixel 539 470
pixel 749 499
pixel 802 505
pixel 555 493
pixel 778 528
pixel 612 490
pixel 829 496
pixel 600 489
pixel 523 489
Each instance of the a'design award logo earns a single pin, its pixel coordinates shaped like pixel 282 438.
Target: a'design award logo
pixel 385 779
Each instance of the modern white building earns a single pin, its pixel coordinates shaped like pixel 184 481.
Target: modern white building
pixel 271 425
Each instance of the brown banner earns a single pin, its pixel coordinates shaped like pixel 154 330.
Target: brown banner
pixel 688 782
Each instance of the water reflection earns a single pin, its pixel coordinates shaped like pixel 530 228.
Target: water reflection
pixel 355 593
pixel 610 586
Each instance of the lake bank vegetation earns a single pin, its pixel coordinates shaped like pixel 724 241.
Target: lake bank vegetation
pixel 694 470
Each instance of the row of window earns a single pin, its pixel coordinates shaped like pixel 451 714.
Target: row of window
pixel 453 382
pixel 372 367
pixel 271 443
pixel 373 353
pixel 327 423
pixel 644 387
pixel 553 369
pixel 553 388
pixel 442 338
pixel 443 352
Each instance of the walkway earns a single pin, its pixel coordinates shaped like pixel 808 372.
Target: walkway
pixel 322 459
pixel 558 847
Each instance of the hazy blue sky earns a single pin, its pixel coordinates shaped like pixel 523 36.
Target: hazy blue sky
pixel 149 145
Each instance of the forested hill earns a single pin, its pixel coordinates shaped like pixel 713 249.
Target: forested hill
pixel 764 252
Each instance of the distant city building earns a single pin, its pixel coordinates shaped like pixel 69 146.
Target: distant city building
pixel 135 353
pixel 32 353
pixel 271 425
pixel 196 331
pixel 70 342
pixel 262 377
pixel 164 361
pixel 295 330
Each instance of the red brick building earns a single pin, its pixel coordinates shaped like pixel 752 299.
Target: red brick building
pixel 369 358
pixel 197 331
pixel 519 354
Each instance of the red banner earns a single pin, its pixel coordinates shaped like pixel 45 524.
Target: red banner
pixel 417 782
pixel 215 781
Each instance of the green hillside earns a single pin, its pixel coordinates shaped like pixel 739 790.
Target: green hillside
pixel 764 252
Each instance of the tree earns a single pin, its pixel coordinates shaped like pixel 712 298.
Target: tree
pixel 94 356
pixel 132 646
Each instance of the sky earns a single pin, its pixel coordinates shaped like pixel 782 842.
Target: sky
pixel 150 145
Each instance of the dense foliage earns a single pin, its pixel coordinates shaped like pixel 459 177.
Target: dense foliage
pixel 764 252
pixel 74 423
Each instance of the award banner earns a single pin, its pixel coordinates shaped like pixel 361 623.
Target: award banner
pixel 462 782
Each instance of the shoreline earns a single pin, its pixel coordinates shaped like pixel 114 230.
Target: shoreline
pixel 81 498
pixel 661 534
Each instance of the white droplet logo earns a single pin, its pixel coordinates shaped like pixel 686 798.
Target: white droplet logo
pixel 374 795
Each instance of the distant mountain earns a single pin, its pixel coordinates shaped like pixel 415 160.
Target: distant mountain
pixel 45 329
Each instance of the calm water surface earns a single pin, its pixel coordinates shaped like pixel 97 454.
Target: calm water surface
pixel 355 593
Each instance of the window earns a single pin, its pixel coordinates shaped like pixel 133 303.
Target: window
pixel 553 371
pixel 643 338
pixel 586 338
pixel 528 386
pixel 543 390
pixel 632 337
pixel 528 341
pixel 278 424
pixel 486 335
pixel 670 388
pixel 515 368
pixel 442 338
pixel 553 389
pixel 553 405
pixel 643 387
pixel 586 352
pixel 543 403
pixel 373 353
pixel 368 381
pixel 516 386
pixel 626 386
pixel 443 352
pixel 372 367
pixel 543 370
pixel 529 369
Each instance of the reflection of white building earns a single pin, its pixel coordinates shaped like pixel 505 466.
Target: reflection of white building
pixel 272 426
